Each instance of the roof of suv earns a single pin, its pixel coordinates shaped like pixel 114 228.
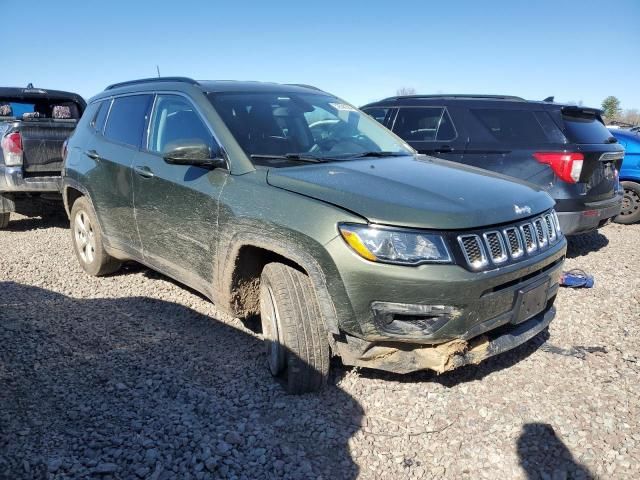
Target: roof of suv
pixel 206 86
pixel 467 98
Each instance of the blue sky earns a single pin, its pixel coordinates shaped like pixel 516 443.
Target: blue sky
pixel 361 51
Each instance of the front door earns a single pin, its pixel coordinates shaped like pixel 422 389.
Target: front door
pixel 176 205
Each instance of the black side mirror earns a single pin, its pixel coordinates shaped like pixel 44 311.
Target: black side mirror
pixel 192 152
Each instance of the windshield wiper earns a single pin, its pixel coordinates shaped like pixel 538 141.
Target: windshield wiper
pixel 291 156
pixel 378 154
pixel 611 140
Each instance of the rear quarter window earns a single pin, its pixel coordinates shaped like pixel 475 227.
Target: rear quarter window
pixel 582 127
pixel 514 127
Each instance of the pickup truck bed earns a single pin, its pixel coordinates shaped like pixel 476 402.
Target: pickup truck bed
pixel 34 125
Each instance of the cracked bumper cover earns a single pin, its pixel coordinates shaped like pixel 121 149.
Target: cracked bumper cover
pixel 406 358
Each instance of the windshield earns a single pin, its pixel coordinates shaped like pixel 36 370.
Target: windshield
pixel 268 124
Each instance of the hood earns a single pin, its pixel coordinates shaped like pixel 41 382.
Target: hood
pixel 418 192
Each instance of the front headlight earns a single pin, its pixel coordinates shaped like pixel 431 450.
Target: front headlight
pixel 387 245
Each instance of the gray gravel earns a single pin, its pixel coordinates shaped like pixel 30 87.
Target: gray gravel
pixel 133 376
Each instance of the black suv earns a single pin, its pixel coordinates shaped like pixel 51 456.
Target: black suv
pixel 564 149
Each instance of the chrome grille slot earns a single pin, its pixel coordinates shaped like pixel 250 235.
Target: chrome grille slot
pixel 551 228
pixel 530 243
pixel 496 247
pixel 473 251
pixel 541 233
pixel 514 242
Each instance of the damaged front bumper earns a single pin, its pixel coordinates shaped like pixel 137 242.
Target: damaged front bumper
pixel 406 358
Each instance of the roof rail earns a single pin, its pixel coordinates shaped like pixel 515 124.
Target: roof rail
pixel 150 80
pixel 304 85
pixel 458 95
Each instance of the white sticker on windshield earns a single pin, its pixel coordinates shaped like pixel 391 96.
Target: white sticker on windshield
pixel 343 107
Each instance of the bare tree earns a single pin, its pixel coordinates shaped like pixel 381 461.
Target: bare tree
pixel 631 116
pixel 406 91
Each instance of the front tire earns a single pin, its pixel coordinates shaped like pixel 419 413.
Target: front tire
pixel 630 212
pixel 296 341
pixel 87 241
pixel 4 219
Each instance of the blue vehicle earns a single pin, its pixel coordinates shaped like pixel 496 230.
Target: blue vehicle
pixel 629 175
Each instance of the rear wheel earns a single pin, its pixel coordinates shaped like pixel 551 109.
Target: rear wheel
pixel 296 341
pixel 87 241
pixel 4 219
pixel 630 212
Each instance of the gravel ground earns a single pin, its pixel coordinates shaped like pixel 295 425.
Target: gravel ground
pixel 133 376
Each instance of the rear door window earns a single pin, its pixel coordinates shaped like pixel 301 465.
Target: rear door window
pixel 514 127
pixel 584 127
pixel 420 124
pixel 101 115
pixel 127 119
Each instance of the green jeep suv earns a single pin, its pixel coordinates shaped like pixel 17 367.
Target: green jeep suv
pixel 286 202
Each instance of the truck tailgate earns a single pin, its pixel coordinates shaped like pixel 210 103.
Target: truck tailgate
pixel 42 144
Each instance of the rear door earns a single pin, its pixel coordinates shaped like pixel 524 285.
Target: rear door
pixel 430 130
pixel 176 205
pixel 504 136
pixel 113 152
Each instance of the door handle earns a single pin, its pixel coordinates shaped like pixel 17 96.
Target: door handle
pixel 143 171
pixel 93 154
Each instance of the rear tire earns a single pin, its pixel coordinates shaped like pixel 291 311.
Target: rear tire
pixel 630 204
pixel 296 341
pixel 86 237
pixel 4 219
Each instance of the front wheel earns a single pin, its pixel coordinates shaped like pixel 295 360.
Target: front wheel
pixel 296 341
pixel 630 212
pixel 4 219
pixel 87 241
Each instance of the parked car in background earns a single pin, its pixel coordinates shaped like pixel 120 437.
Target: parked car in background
pixel 629 175
pixel 565 150
pixel 287 202
pixel 34 123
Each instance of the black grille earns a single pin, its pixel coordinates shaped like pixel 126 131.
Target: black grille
pixel 540 232
pixel 496 245
pixel 551 229
pixel 529 241
pixel 473 250
pixel 514 242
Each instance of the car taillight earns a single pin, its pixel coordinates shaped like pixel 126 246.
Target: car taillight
pixel 12 149
pixel 567 166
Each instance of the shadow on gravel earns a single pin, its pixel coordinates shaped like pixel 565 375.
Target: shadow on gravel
pixel 543 455
pixel 580 245
pixel 26 224
pixel 468 373
pixel 141 388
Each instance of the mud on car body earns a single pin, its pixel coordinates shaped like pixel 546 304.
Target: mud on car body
pixel 286 202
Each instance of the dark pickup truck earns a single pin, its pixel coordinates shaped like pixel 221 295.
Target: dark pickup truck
pixel 34 125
